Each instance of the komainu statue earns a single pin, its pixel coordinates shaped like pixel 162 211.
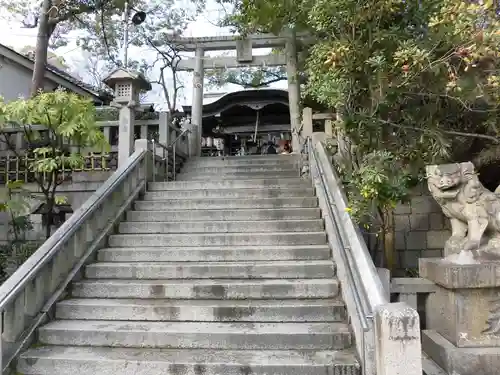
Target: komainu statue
pixel 473 210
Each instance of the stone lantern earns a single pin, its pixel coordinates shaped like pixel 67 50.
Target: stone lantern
pixel 127 86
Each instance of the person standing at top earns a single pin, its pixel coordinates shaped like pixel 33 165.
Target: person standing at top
pixel 271 149
pixel 286 149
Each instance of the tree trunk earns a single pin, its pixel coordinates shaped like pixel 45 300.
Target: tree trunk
pixel 42 45
pixel 389 238
pixel 49 216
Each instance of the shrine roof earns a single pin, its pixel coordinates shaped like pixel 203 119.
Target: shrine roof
pixel 243 97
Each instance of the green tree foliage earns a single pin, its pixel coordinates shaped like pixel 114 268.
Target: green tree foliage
pixel 68 122
pixel 411 82
pixel 165 19
pixel 14 200
pixel 245 77
pixel 100 27
pixel 54 19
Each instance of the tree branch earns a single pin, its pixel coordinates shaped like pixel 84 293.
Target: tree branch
pixel 171 59
pixel 450 132
pixel 82 8
pixel 71 13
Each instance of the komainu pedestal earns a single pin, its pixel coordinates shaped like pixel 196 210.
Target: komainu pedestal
pixel 463 315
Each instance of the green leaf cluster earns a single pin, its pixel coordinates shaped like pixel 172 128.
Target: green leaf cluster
pixel 412 83
pixel 419 80
pixel 15 201
pixel 57 126
pixel 67 119
pixel 380 178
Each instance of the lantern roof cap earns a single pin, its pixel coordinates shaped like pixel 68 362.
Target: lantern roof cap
pixel 121 75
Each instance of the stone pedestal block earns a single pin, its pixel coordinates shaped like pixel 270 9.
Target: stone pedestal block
pixel 463 316
pixel 91 176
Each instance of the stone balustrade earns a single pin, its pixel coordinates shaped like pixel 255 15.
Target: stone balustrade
pixel 387 334
pixel 28 296
pixel 96 164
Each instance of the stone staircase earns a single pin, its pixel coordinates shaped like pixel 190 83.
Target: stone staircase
pixel 226 271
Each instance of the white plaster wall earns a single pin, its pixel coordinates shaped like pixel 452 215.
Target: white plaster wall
pixel 15 80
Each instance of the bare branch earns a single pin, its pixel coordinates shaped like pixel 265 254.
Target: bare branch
pixel 450 132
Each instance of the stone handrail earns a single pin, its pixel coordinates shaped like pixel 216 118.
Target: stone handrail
pixel 179 143
pixel 29 295
pixel 407 289
pixel 387 334
pixel 173 153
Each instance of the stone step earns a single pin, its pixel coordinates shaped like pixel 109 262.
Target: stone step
pixel 218 239
pixel 207 289
pixel 202 175
pixel 233 164
pixel 192 227
pixel 230 193
pixel 323 310
pixel 216 162
pixel 225 215
pixel 303 269
pixel 248 169
pixel 60 360
pixel 216 204
pixel 210 159
pixel 196 335
pixel 213 254
pixel 255 183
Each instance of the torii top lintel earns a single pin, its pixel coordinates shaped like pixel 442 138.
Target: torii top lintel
pixel 219 43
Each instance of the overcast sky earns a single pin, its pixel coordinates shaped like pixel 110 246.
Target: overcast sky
pixel 13 35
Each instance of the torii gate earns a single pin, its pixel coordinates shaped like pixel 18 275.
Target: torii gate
pixel 244 58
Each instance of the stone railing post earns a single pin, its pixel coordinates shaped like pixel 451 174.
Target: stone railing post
pixel 397 340
pixel 150 160
pixel 165 119
pixel 329 128
pixel 307 122
pixel 385 278
pixel 192 138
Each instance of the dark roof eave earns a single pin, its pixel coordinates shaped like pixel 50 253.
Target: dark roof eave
pixel 239 96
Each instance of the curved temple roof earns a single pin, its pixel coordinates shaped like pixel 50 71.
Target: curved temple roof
pixel 244 97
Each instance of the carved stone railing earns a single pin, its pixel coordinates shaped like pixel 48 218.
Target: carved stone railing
pixel 14 167
pixel 17 168
pixel 387 334
pixel 29 295
pixel 159 128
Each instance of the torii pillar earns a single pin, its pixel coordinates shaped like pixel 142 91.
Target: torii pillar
pixel 197 107
pixel 293 89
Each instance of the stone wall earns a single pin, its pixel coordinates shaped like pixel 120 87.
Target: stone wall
pixel 421 230
pixel 77 192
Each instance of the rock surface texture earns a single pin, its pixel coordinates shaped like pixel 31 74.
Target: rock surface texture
pixel 226 271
